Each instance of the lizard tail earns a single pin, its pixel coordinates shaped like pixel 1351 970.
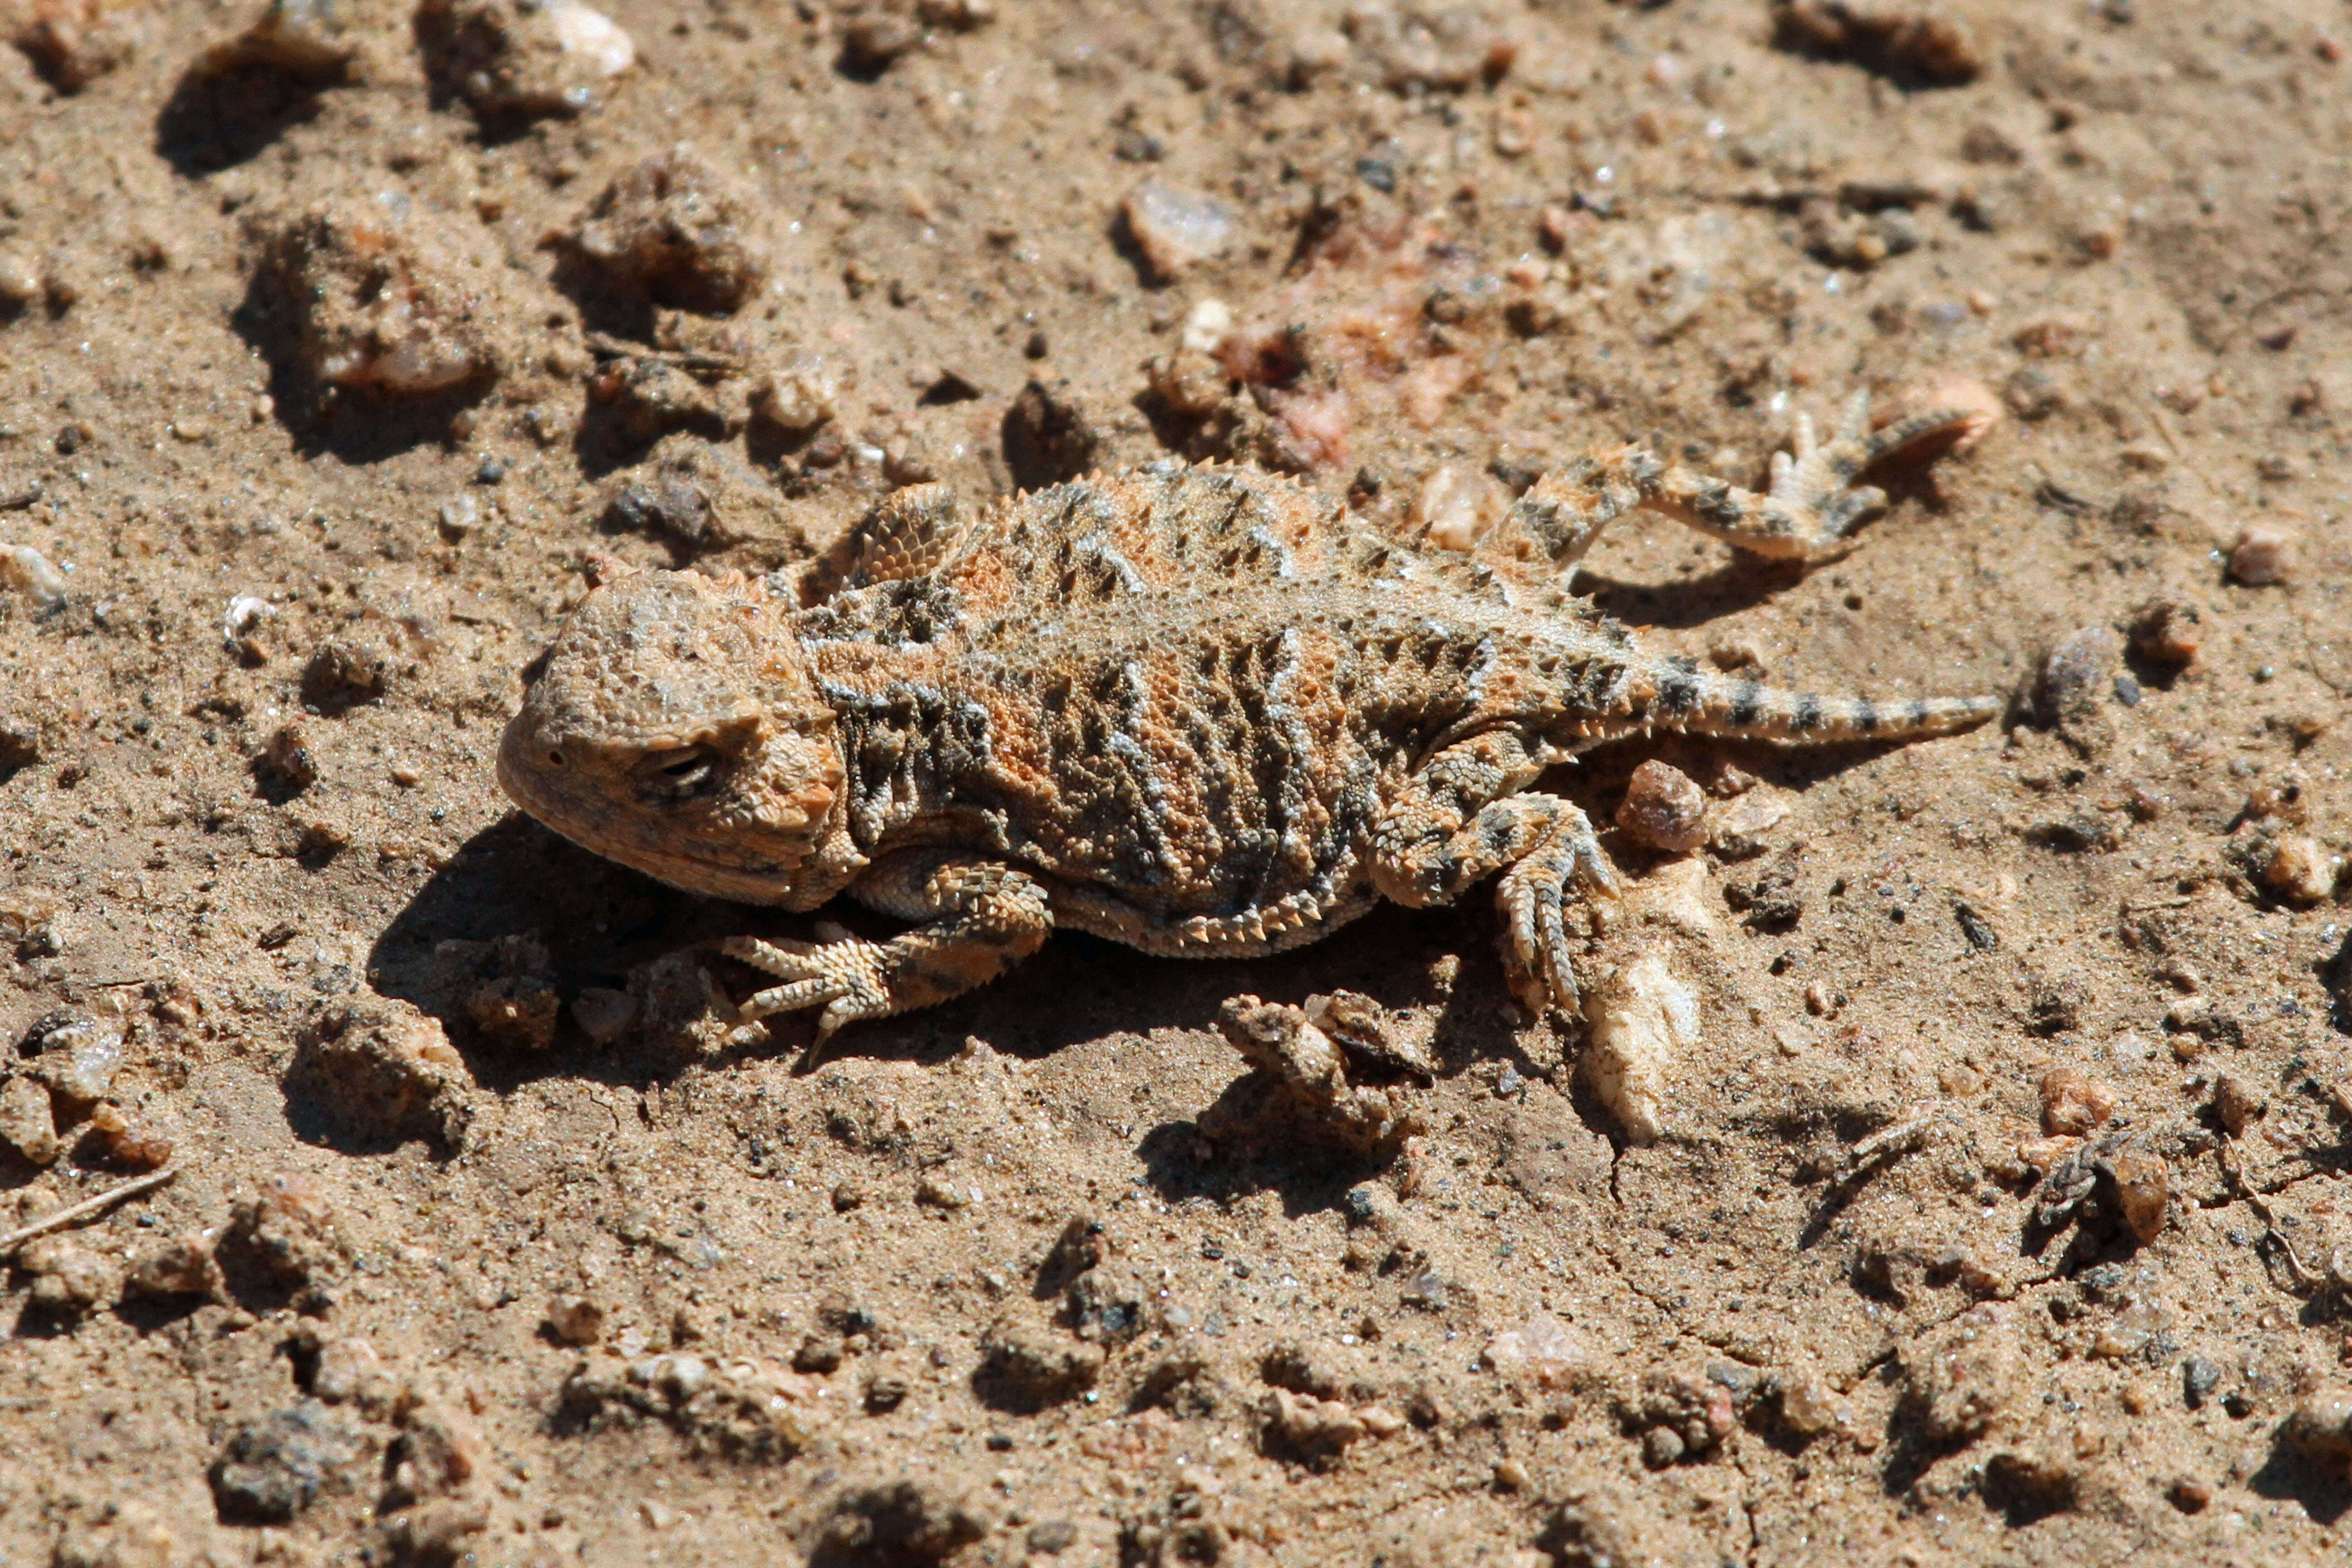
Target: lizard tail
pixel 1694 702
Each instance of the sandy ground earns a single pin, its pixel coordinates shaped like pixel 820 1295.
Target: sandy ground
pixel 1993 1211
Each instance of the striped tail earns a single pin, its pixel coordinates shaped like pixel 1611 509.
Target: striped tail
pixel 1698 702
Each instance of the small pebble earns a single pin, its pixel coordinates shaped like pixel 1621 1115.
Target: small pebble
pixel 1808 1404
pixel 490 471
pixel 681 1376
pixel 2302 870
pixel 71 1277
pixel 522 57
pixel 20 278
pixel 1664 809
pixel 342 672
pixel 2076 679
pixel 797 398
pixel 1637 1024
pixel 2072 1104
pixel 871 39
pixel 1455 504
pixel 2236 1104
pixel 678 231
pixel 1206 324
pixel 575 1320
pixel 241 622
pixel 945 1196
pixel 2144 1191
pixel 33 574
pixel 603 1014
pixel 134 1145
pixel 2264 554
pixel 286 760
pixel 1543 1352
pixel 403 306
pixel 182 1268
pixel 2321 1427
pixel 79 1058
pixel 313 41
pixel 1177 229
pixel 2283 801
pixel 26 1122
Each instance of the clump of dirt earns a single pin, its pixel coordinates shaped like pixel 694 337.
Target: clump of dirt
pixel 1946 1166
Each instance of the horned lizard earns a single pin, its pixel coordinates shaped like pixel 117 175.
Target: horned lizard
pixel 1200 709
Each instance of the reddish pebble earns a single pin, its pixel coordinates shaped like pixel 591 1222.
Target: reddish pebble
pixel 1664 809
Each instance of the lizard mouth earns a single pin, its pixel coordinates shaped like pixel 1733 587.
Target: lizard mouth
pixel 603 830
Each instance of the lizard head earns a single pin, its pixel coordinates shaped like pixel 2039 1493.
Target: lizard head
pixel 673 726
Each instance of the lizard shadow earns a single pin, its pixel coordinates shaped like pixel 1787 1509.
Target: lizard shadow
pixel 1739 582
pixel 2307 1479
pixel 516 902
pixel 519 910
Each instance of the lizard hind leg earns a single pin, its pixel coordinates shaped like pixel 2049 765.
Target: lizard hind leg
pixel 1807 511
pixel 1457 820
pixel 1566 866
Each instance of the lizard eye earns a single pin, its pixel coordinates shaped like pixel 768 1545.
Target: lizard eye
pixel 678 775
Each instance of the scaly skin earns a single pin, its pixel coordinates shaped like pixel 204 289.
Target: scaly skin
pixel 1199 710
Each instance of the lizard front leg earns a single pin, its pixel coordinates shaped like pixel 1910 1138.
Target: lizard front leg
pixel 1457 820
pixel 982 917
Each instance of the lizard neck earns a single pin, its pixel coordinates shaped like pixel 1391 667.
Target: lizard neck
pixel 901 726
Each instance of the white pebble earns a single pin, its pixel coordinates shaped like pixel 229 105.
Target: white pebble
pixel 1639 1019
pixel 20 279
pixel 2264 554
pixel 592 36
pixel 800 397
pixel 1543 1350
pixel 79 1059
pixel 2302 871
pixel 1206 325
pixel 1456 505
pixel 680 1376
pixel 245 612
pixel 22 566
pixel 1175 228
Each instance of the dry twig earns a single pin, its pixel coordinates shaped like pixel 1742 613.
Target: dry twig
pixel 86 1208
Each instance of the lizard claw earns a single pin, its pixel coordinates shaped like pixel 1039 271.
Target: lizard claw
pixel 1535 895
pixel 842 974
pixel 1816 477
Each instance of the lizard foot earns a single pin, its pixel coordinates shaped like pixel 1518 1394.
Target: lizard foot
pixel 842 973
pixel 1535 893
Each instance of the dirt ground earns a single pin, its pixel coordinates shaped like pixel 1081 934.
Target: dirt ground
pixel 1992 1213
